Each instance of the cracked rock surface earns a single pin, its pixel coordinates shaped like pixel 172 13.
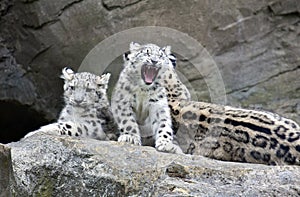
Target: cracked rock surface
pixel 47 165
pixel 255 46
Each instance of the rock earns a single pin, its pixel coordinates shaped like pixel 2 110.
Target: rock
pixel 285 7
pixel 110 4
pixel 7 182
pixel 47 165
pixel 17 98
pixel 4 6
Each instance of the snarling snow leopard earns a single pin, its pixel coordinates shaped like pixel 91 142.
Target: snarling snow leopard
pixel 216 131
pixel 140 99
pixel 87 112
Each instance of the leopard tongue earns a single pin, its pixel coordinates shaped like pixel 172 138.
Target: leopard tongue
pixel 149 73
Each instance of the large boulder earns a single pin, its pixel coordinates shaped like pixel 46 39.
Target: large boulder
pixel 7 182
pixel 47 165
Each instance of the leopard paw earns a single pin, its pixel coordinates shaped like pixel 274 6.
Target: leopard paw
pixel 132 139
pixel 163 145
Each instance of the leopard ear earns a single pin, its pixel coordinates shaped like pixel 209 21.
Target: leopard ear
pixel 134 46
pixel 173 59
pixel 103 80
pixel 167 50
pixel 106 77
pixel 67 73
pixel 125 56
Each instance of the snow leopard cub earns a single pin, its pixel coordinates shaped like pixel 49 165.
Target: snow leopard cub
pixel 87 111
pixel 140 102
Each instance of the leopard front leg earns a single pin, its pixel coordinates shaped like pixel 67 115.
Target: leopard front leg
pixel 162 123
pixel 57 128
pixel 124 116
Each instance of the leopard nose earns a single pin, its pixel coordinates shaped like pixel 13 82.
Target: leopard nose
pixel 154 62
pixel 78 101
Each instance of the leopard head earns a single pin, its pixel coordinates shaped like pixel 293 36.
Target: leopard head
pixel 84 89
pixel 149 61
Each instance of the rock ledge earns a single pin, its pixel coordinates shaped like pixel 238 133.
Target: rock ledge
pixel 47 165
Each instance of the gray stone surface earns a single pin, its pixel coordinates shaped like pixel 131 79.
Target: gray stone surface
pixel 254 44
pixel 14 84
pixel 63 166
pixel 7 182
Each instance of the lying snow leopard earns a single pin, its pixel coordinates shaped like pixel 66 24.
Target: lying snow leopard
pixel 140 100
pixel 235 134
pixel 228 133
pixel 87 111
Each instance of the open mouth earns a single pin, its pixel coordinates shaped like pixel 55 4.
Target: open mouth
pixel 149 73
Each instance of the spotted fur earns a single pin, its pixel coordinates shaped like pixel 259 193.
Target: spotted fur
pixel 86 112
pixel 140 99
pixel 235 134
pixel 221 132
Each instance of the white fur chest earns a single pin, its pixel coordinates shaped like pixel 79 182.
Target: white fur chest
pixel 141 106
pixel 75 114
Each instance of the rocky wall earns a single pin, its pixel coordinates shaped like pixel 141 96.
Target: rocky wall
pixel 255 45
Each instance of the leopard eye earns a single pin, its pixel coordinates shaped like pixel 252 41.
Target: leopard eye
pixel 72 87
pixel 99 94
pixel 148 51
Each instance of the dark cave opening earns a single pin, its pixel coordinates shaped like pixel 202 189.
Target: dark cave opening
pixel 16 120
